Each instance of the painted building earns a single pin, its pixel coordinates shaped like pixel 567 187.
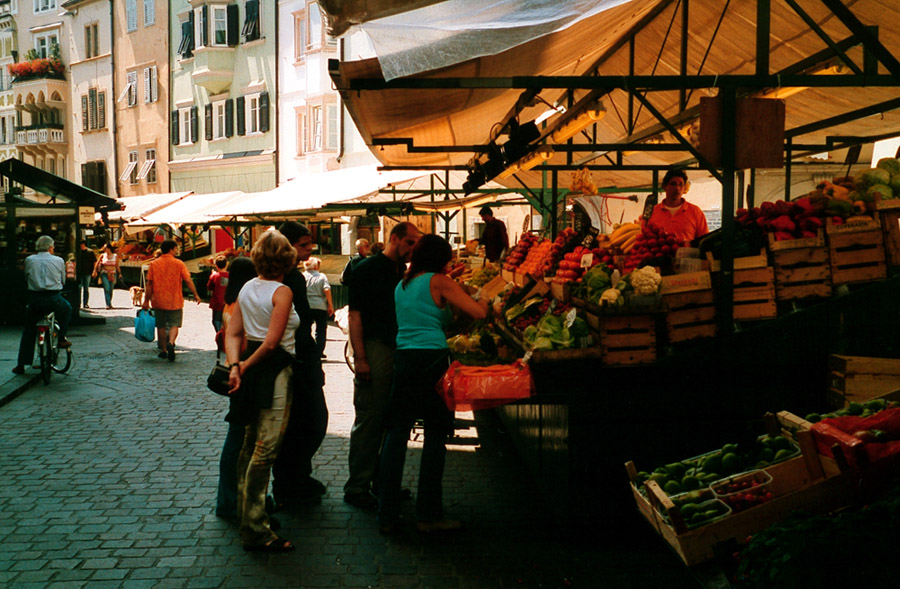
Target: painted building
pixel 141 70
pixel 223 118
pixel 45 119
pixel 8 50
pixel 88 40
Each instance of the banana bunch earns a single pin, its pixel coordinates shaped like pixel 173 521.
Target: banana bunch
pixel 583 182
pixel 624 236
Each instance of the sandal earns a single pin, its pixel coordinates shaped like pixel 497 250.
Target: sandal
pixel 275 546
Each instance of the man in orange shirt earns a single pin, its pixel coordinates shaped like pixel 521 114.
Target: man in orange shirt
pixel 164 291
pixel 676 215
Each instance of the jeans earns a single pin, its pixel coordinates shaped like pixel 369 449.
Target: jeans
pixel 39 304
pixel 227 496
pixel 320 316
pixel 108 286
pixel 84 282
pixel 217 320
pixel 413 396
pixel 262 440
pixel 370 403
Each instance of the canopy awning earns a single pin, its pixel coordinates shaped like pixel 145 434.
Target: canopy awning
pixel 191 210
pixel 134 208
pixel 55 187
pixel 310 193
pixel 432 119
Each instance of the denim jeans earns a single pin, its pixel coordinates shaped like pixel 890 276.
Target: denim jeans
pixel 262 440
pixel 84 282
pixel 39 304
pixel 416 372
pixel 227 496
pixel 108 286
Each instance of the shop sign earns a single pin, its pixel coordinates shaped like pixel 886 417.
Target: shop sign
pixel 85 215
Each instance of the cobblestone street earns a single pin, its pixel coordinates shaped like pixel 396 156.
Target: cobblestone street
pixel 110 473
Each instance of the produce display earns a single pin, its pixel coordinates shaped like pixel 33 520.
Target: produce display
pixel 650 244
pixel 519 253
pixel 744 491
pixel 866 409
pixel 570 267
pixel 700 507
pixel 481 346
pixel 556 331
pixel 134 251
pixel 480 277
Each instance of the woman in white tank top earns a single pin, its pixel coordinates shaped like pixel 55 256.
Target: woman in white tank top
pixel 261 382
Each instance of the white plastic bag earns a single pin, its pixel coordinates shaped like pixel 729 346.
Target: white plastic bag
pixel 342 318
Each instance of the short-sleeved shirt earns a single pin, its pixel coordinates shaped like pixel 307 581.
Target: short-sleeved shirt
pixel 216 285
pixel 316 285
pixel 45 272
pixel 166 273
pixel 494 239
pixel 686 224
pixel 372 287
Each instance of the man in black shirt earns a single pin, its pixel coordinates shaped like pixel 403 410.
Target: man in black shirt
pixel 86 261
pixel 494 237
pixel 373 335
pixel 292 483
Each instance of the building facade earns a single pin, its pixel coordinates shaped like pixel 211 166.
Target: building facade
pixel 141 66
pixel 223 118
pixel 8 51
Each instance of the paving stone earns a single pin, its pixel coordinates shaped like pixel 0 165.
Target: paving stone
pixel 109 574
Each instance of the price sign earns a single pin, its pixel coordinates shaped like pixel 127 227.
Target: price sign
pixel 587 260
pixel 570 317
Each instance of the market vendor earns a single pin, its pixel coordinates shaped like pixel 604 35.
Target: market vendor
pixel 675 214
pixel 494 238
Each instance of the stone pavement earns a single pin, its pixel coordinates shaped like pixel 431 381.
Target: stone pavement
pixel 110 473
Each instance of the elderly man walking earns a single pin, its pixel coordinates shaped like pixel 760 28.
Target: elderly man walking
pixel 46 275
pixel 164 292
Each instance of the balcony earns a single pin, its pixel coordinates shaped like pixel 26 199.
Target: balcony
pixel 213 68
pixel 42 140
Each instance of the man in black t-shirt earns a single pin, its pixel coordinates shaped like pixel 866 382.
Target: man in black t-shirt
pixel 86 261
pixel 373 335
pixel 292 481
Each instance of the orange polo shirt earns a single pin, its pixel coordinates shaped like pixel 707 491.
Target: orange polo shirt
pixel 686 224
pixel 166 274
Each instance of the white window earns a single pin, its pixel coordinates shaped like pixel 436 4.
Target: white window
pixel 51 165
pixel 331 127
pixel 199 26
pixel 91 41
pixel 148 170
pixel 130 171
pixel 299 36
pixel 252 110
pixel 44 43
pixel 302 134
pixel 219 119
pixel 149 12
pixel 93 110
pixel 315 114
pixel 130 90
pixel 315 31
pixel 44 5
pixel 151 89
pixel 220 26
pixel 130 15
pixel 184 120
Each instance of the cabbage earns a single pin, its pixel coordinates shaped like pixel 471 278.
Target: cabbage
pixel 895 183
pixel 531 333
pixel 457 344
pixel 597 279
pixel 542 343
pixel 882 190
pixel 890 165
pixel 875 176
pixel 549 324
pixel 562 338
pixel 579 328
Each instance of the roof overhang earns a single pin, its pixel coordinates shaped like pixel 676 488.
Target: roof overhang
pixel 55 187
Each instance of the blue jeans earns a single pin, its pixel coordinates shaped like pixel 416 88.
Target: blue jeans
pixel 39 304
pixel 226 499
pixel 108 286
pixel 84 282
pixel 416 372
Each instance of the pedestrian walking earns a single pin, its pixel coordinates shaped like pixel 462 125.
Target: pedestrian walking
pixel 109 270
pixel 87 259
pixel 318 293
pixel 373 335
pixel 260 382
pixel 423 301
pixel 216 285
pixel 163 291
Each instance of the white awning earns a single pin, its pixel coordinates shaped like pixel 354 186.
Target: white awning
pixel 136 207
pixel 192 209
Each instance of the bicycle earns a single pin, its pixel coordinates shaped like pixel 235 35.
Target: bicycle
pixel 348 356
pixel 52 357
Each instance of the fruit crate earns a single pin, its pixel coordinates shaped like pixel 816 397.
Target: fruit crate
pixel 687 282
pixel 794 487
pixel 561 291
pixel 690 316
pixel 743 491
pixel 889 211
pixel 754 286
pixel 858 378
pixel 628 339
pixel 802 268
pixel 856 252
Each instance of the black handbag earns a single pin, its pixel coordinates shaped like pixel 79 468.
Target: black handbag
pixel 217 381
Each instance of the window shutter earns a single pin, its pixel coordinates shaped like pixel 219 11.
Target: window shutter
pixel 208 121
pixel 84 112
pixel 175 128
pixel 204 25
pixel 154 83
pixel 241 116
pixel 101 110
pixel 148 97
pixel 233 22
pixel 92 107
pixel 101 177
pixel 195 124
pixel 264 112
pixel 229 117
pixel 85 175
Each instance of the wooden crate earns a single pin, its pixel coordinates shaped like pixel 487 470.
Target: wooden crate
pixel 561 291
pixel 857 256
pixel 760 260
pixel 686 282
pixel 801 267
pixel 858 378
pixel 889 211
pixel 690 315
pixel 795 488
pixel 628 339
pixel 754 294
pixel 509 276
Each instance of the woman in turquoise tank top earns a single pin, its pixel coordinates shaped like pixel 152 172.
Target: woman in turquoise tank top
pixel 423 300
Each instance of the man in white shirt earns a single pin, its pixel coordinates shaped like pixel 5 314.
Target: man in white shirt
pixel 46 275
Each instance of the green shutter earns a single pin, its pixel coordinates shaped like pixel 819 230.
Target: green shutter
pixel 241 116
pixel 175 129
pixel 195 124
pixel 208 122
pixel 264 112
pixel 232 17
pixel 229 117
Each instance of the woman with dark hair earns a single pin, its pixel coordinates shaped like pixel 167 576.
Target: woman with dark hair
pixel 240 271
pixel 110 271
pixel 676 215
pixel 423 300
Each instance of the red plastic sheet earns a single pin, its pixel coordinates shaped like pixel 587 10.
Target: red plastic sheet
pixel 470 388
pixel 839 430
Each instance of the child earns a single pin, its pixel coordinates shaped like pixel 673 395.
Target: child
pixel 218 280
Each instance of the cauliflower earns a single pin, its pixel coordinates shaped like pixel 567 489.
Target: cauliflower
pixel 610 295
pixel 645 281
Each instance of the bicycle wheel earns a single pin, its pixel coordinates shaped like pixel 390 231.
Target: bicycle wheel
pixel 44 351
pixel 61 358
pixel 348 356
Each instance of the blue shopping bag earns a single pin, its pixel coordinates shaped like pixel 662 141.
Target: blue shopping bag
pixel 145 326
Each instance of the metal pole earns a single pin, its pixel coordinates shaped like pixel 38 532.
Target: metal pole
pixel 725 296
